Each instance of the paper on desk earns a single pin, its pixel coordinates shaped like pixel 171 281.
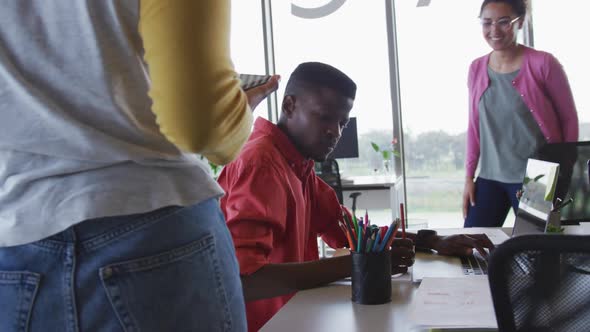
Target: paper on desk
pixel 454 303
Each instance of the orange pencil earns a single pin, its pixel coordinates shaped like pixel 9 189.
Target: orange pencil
pixel 350 242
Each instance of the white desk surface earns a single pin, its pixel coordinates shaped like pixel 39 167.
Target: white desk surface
pixel 369 180
pixel 330 308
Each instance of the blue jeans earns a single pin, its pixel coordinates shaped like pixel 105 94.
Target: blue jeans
pixel 173 269
pixel 493 200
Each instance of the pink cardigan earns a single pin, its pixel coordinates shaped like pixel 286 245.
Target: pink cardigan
pixel 545 90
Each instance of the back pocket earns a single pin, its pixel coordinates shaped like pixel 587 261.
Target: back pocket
pixel 178 290
pixel 18 290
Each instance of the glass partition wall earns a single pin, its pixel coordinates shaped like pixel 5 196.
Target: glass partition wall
pixel 410 64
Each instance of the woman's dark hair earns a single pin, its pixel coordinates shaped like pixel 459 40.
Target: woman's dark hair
pixel 518 6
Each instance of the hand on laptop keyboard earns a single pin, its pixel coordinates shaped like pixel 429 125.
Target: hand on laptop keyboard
pixel 463 244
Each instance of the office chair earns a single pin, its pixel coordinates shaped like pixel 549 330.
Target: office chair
pixel 541 283
pixel 329 171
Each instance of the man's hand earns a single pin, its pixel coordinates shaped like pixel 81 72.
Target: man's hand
pixel 468 195
pixel 462 244
pixel 402 255
pixel 259 93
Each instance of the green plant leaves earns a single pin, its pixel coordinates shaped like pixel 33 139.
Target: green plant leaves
pixel 375 146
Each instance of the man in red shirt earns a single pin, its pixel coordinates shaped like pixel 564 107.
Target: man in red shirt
pixel 276 206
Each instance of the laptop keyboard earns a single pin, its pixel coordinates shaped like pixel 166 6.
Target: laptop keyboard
pixel 475 264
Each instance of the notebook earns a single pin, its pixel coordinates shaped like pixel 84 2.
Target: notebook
pixel 539 184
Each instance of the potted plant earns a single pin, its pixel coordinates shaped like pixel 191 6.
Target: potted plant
pixel 387 152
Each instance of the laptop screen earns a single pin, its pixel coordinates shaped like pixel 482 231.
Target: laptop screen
pixel 574 178
pixel 536 202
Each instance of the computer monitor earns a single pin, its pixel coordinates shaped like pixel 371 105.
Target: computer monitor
pixel 348 145
pixel 573 180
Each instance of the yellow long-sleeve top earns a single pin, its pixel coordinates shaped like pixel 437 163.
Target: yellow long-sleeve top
pixel 197 99
pixel 103 105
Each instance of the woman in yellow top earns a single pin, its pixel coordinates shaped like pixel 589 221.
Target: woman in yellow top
pixel 109 221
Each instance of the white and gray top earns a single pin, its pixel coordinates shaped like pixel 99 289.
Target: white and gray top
pixel 508 133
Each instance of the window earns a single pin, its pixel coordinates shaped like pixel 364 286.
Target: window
pixel 352 38
pixel 572 53
pixel 436 46
pixel 247 42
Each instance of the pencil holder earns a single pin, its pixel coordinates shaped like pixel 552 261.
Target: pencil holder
pixel 371 277
pixel 554 223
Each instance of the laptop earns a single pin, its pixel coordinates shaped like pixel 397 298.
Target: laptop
pixel 573 180
pixel 532 217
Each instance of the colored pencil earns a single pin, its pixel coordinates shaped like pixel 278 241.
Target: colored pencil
pixel 350 243
pixel 392 238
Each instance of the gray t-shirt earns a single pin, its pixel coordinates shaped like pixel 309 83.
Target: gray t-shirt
pixel 77 141
pixel 508 132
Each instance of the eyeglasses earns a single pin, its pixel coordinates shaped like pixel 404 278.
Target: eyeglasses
pixel 503 23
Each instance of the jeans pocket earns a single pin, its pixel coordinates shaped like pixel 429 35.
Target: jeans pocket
pixel 18 290
pixel 178 290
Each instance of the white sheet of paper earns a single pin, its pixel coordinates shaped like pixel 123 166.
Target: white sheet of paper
pixel 454 303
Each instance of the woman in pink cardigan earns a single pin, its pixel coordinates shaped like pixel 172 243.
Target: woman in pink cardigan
pixel 519 99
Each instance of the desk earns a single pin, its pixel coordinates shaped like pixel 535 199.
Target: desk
pixel 329 308
pixel 377 192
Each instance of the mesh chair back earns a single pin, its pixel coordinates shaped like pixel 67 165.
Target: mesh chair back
pixel 542 283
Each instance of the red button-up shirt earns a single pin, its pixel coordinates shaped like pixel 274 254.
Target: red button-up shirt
pixel 276 207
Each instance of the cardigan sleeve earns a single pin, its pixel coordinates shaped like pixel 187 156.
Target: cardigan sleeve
pixel 473 148
pixel 560 93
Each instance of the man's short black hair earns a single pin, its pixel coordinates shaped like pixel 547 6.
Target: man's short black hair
pixel 317 74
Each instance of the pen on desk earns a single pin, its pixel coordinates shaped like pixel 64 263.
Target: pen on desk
pixel 401 212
